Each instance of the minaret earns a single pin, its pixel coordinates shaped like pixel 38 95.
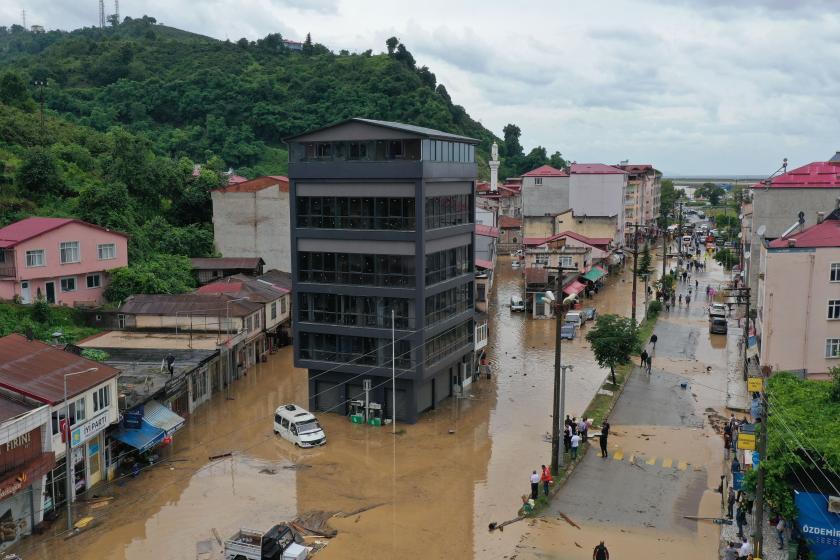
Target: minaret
pixel 494 168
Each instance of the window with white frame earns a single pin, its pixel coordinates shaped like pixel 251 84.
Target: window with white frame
pixel 101 398
pixel 566 262
pixel 835 272
pixel 834 309
pixel 106 251
pixel 541 260
pixel 35 258
pixel 80 410
pixel 248 324
pixel 273 310
pixel 69 251
pixel 94 281
pixel 538 180
pixel 258 321
pixel 68 284
pixel 832 347
pixel 283 305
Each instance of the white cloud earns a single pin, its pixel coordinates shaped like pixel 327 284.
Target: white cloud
pixel 689 85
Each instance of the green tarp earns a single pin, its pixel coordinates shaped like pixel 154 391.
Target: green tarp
pixel 594 274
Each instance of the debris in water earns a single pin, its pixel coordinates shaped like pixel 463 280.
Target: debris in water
pixel 268 471
pixel 296 466
pixel 569 521
pixel 221 456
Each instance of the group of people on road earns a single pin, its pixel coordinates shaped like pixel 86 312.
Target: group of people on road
pixel 575 432
pixel 544 477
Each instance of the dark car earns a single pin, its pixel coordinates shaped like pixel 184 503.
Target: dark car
pixel 717 325
pixel 568 331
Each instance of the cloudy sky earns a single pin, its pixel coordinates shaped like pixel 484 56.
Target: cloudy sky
pixel 692 86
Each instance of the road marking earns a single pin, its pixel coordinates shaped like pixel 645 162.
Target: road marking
pixel 666 463
pixel 619 455
pixel 682 466
pixel 651 461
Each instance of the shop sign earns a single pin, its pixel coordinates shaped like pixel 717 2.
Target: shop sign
pixel 755 384
pixel 89 429
pixel 21 449
pixel 746 441
pixel 22 478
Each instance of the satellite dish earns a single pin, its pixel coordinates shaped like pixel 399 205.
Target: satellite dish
pixel 762 229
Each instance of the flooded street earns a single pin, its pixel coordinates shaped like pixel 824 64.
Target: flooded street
pixel 428 492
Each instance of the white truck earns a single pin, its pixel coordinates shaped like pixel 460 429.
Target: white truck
pixel 278 543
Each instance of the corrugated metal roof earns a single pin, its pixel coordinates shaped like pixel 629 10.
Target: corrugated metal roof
pixel 486 231
pixel 36 369
pixel 9 408
pixel 241 285
pixel 278 278
pixel 226 263
pixel 255 185
pixel 509 222
pixel 409 128
pixel 817 174
pixel 162 417
pixel 205 304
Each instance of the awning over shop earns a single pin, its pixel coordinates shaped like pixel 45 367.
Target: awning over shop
pixel 142 439
pixel 594 274
pixel 161 417
pixel 574 288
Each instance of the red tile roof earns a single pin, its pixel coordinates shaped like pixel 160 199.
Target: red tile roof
pixel 574 288
pixel 36 369
pixel 257 184
pixel 483 263
pixel 236 179
pixel 220 288
pixel 486 231
pixel 546 171
pixel 509 222
pixel 28 228
pixel 595 169
pixel 819 174
pixel 482 187
pixel 826 234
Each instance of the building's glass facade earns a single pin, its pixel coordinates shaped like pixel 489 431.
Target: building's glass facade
pixel 355 311
pixel 449 341
pixel 331 212
pixel 447 264
pixel 384 150
pixel 353 350
pixel 447 211
pixel 393 271
pixel 444 305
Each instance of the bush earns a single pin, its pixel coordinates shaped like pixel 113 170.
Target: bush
pixel 654 309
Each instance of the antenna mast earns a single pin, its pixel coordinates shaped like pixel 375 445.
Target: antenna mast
pixel 23 16
pixel 117 10
pixel 101 14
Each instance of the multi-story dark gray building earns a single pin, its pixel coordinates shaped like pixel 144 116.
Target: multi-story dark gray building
pixel 382 219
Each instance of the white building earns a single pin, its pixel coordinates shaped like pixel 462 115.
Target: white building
pixel 599 190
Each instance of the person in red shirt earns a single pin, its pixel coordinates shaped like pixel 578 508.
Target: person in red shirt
pixel 545 477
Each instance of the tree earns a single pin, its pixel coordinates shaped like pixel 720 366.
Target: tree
pixel 391 44
pixel 668 197
pixel 557 161
pixel 644 265
pixel 613 339
pixel 39 175
pixel 308 48
pixel 726 258
pixel 512 147
pixel 13 91
pixel 159 274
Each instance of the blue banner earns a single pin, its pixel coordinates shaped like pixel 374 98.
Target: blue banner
pixel 820 527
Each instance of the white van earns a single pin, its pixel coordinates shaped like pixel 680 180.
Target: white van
pixel 575 317
pixel 298 426
pixel 516 303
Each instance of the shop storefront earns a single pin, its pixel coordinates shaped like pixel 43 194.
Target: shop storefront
pixel 87 444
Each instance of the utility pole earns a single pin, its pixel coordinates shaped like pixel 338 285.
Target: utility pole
pixel 758 544
pixel 40 83
pixel 635 269
pixel 663 228
pixel 558 410
pixel 101 14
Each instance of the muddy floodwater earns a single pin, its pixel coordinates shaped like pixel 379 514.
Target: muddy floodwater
pixel 428 492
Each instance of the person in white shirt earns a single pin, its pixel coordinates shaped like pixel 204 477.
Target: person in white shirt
pixel 575 444
pixel 746 549
pixel 535 485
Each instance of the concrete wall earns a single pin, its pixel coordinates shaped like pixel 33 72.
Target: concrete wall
pixel 538 226
pixel 551 197
pixel 590 226
pixel 793 312
pixel 597 194
pixel 253 225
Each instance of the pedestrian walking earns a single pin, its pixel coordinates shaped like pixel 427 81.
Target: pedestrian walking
pixel 674 299
pixel 605 434
pixel 600 552
pixel 575 445
pixel 696 284
pixel 727 444
pixel 653 339
pixel 736 466
pixel 687 300
pixel 741 519
pixel 644 356
pixel 780 532
pixel 545 478
pixel 680 299
pixel 730 503
pixel 649 363
pixel 582 428
pixel 567 439
pixel 573 425
pixel 535 485
pixel 667 305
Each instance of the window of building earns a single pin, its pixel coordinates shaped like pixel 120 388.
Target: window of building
pixel 121 320
pixel 283 305
pixel 449 210
pixel 832 347
pixel 359 350
pixel 199 384
pixel 541 260
pixel 2 256
pixel 538 180
pixel 101 398
pixel 446 304
pixel 94 281
pixel 355 311
pixel 273 310
pixel 69 251
pixel 448 264
pixel 834 309
pixel 248 324
pixel 358 269
pixel 80 410
pixel 442 345
pixel 330 212
pixel 35 258
pixel 835 272
pixel 106 251
pixel 482 291
pixel 257 321
pixel 68 284
pixel 566 262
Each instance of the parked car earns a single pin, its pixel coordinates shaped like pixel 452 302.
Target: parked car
pixel 589 313
pixel 717 310
pixel 275 544
pixel 717 325
pixel 568 331
pixel 298 426
pixel 575 317
pixel 517 304
pixel 701 215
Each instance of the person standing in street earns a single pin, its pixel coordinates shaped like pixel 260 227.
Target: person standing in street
pixel 731 552
pixel 687 300
pixel 746 549
pixel 575 445
pixel 545 477
pixel 535 485
pixel 730 503
pixel 653 339
pixel 649 363
pixel 605 433
pixel 601 552
pixel 741 519
pixel 644 357
pixel 567 438
pixel 780 532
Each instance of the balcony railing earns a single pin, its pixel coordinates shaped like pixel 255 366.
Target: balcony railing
pixel 8 271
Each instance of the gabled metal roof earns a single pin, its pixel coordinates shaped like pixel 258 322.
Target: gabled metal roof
pixel 411 129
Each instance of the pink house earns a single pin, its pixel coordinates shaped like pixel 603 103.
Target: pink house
pixel 63 260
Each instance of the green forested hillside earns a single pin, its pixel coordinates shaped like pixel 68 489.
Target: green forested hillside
pixel 128 111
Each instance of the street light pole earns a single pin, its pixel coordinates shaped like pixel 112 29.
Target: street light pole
pixel 227 327
pixel 68 461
